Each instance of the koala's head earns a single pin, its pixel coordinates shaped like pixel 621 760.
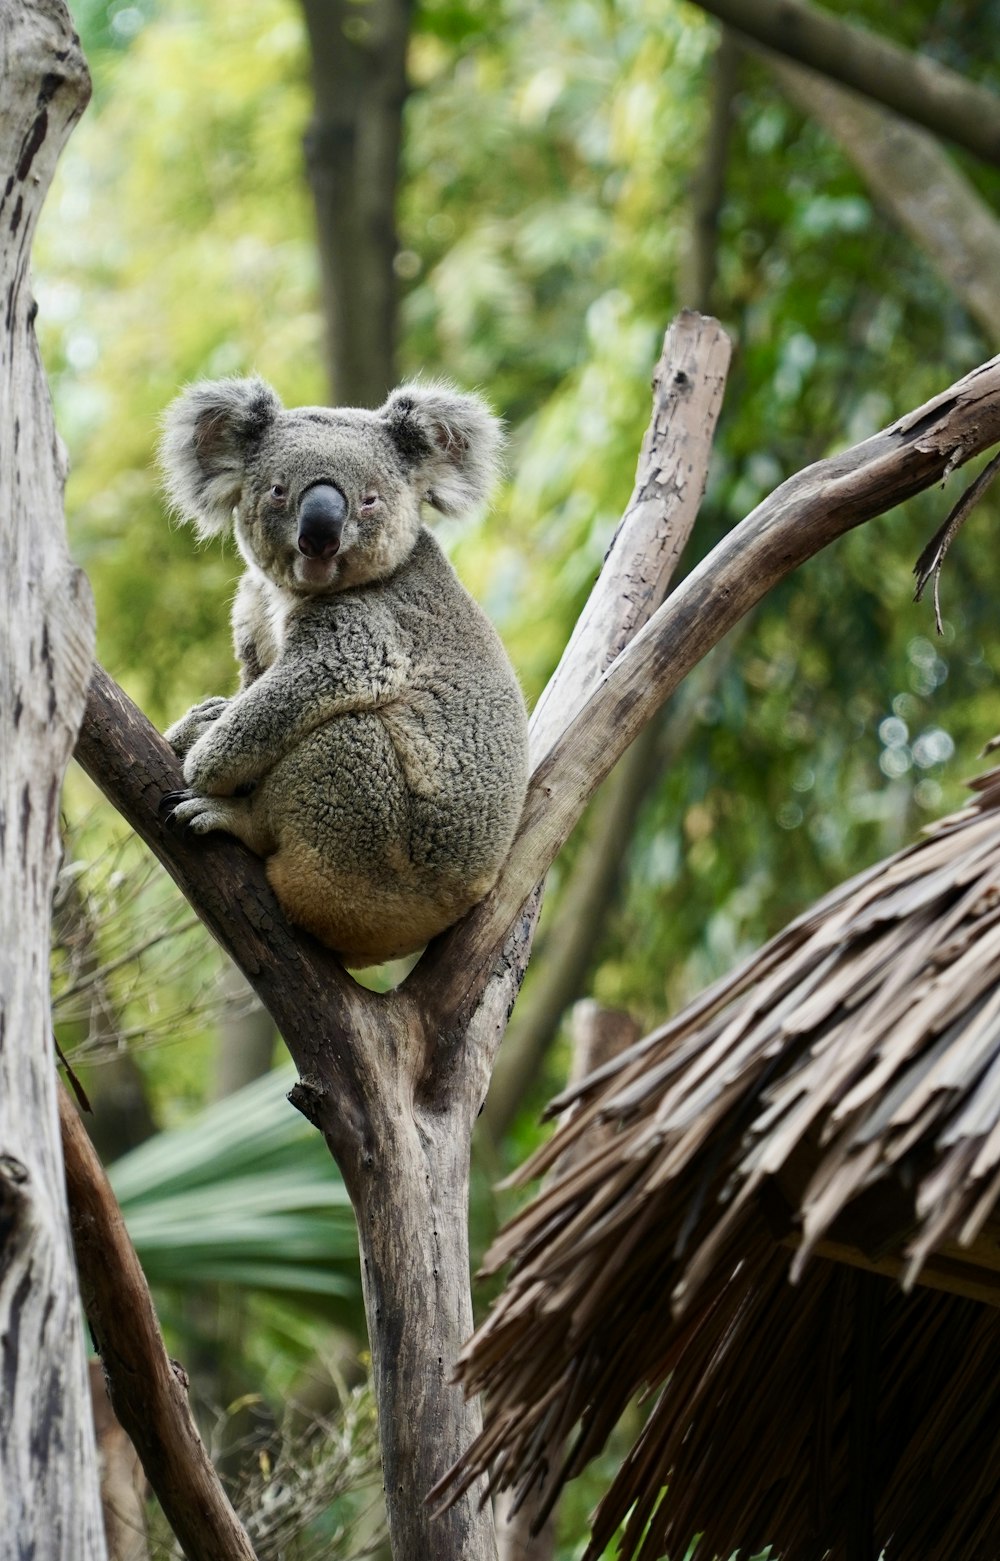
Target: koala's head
pixel 322 499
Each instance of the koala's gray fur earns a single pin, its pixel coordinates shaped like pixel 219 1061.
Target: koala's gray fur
pixel 376 754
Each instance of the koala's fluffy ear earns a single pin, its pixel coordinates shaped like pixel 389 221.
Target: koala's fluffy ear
pixel 452 439
pixel 207 434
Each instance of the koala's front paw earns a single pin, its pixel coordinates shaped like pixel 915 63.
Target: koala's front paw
pixel 199 814
pixel 184 733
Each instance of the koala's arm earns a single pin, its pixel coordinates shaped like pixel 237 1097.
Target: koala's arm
pixel 297 694
pixel 184 733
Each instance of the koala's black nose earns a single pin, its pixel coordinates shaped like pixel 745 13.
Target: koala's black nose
pixel 322 512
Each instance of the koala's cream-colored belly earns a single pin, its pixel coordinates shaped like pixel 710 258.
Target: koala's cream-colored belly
pixel 365 924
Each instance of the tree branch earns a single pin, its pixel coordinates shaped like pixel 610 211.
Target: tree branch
pixel 143 1383
pixel 572 937
pixel 303 985
pixel 913 84
pixel 571 943
pixel 916 182
pixel 802 516
pixel 688 384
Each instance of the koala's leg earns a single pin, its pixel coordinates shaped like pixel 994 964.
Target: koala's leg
pixel 184 733
pixel 239 816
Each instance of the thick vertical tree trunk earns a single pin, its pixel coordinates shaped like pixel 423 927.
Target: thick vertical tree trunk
pixel 407 1172
pixel 413 1224
pixel 352 146
pixel 49 1496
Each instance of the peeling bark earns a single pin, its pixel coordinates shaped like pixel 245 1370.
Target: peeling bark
pixel 49 1495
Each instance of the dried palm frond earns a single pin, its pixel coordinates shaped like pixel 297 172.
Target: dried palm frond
pixel 838 1095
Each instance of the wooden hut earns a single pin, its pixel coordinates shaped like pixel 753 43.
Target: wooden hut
pixel 778 1226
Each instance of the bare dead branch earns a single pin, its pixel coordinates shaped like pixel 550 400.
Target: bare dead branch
pixel 913 84
pixel 147 1396
pixel 588 899
pixel 670 479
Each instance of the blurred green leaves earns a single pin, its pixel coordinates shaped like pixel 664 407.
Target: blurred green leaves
pixel 244 1193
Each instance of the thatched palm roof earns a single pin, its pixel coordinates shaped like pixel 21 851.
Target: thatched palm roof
pixel 837 1097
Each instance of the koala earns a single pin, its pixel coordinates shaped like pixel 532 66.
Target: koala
pixel 376 753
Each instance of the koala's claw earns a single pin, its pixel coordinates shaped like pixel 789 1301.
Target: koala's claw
pixel 169 803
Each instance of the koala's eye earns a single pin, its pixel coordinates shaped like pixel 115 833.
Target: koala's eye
pixel 279 493
pixel 368 502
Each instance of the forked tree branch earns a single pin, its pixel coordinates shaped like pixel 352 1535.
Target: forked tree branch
pixel 914 85
pixel 147 1396
pixel 133 765
pixel 802 516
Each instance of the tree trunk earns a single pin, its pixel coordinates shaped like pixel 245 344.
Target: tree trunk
pixel 413 1219
pixel 352 152
pixel 49 1495
pixel 408 1176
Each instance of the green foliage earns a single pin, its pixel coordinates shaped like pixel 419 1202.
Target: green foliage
pixel 244 1193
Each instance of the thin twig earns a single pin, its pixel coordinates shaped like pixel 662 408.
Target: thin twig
pixel 930 561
